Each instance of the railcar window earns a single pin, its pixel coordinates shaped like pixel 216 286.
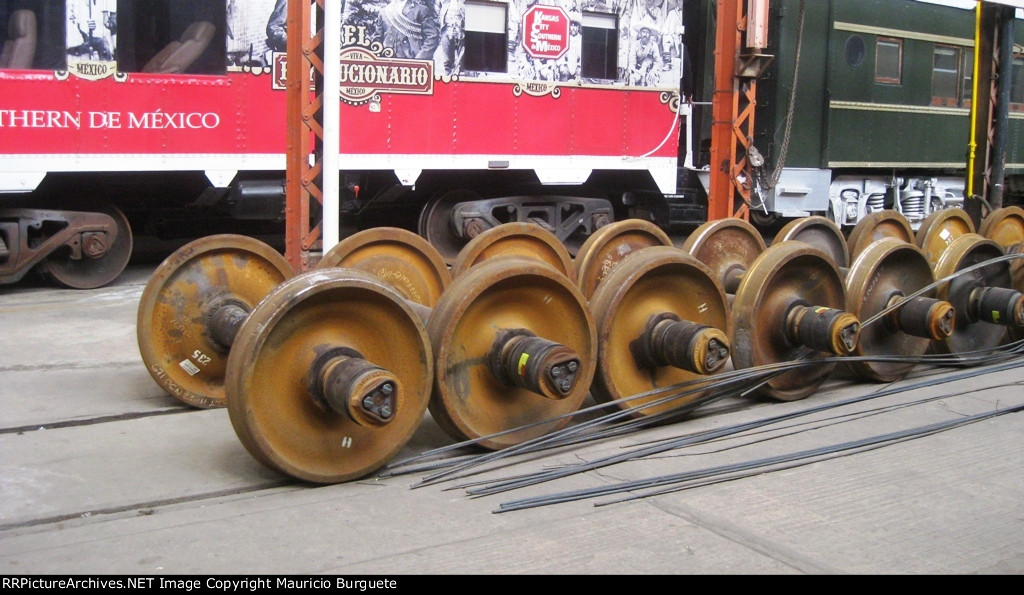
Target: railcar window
pixel 172 36
pixel 600 46
pixel 1017 86
pixel 946 75
pixel 889 60
pixel 855 50
pixel 486 38
pixel 32 35
pixel 967 90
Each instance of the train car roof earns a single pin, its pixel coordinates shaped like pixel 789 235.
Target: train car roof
pixel 970 4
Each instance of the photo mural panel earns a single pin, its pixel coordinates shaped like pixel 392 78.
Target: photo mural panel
pixel 541 44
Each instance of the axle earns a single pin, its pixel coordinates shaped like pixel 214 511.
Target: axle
pixel 669 341
pixel 921 317
pixel 823 329
pixel 521 359
pixel 343 382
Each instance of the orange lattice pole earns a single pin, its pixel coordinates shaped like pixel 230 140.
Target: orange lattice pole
pixel 303 186
pixel 733 104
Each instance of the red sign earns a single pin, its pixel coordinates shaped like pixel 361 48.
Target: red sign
pixel 545 31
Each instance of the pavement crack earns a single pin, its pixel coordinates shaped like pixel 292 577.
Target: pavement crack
pixel 143 508
pixel 91 421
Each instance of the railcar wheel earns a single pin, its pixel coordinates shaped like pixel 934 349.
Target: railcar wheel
pixel 820 232
pixel 176 327
pixel 100 259
pixel 519 239
pixel 330 376
pixel 1016 333
pixel 435 223
pixel 763 220
pixel 940 229
pixel 985 301
pixel 514 345
pixel 662 320
pixel 728 247
pixel 1004 226
pixel 396 256
pixel 789 306
pixel 602 252
pixel 884 273
pixel 878 225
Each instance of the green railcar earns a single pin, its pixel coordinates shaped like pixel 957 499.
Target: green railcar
pixel 868 104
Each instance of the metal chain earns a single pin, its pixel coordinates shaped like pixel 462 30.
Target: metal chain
pixel 777 173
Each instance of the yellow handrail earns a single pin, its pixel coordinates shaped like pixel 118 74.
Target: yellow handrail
pixel 973 145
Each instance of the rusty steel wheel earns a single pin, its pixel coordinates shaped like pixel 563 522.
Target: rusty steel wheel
pixel 516 239
pixel 330 376
pixel 100 259
pixel 397 257
pixel 503 325
pixel 885 272
pixel 662 320
pixel 728 247
pixel 940 229
pixel 203 287
pixel 820 232
pixel 985 301
pixel 878 225
pixel 609 245
pixel 1004 226
pixel 789 307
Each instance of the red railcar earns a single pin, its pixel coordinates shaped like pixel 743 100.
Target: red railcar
pixel 169 117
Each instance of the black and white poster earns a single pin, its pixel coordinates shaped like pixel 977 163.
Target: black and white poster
pixel 649 36
pixel 91 27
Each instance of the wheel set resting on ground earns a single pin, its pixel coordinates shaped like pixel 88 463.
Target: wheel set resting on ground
pixel 327 374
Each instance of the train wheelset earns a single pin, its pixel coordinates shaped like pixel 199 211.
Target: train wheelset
pixel 980 281
pixel 788 304
pixel 327 374
pixel 662 318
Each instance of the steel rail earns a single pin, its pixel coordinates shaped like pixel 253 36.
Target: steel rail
pixel 546 441
pixel 500 485
pixel 573 434
pixel 879 440
pixel 832 421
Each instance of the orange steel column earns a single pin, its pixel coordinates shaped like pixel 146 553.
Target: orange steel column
pixel 302 179
pixel 732 110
